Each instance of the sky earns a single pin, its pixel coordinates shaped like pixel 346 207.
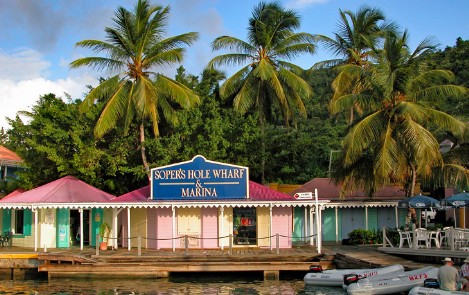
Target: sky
pixel 38 37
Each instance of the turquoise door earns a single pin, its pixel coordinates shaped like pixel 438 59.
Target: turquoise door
pixel 329 225
pixel 96 220
pixel 63 228
pixel 298 225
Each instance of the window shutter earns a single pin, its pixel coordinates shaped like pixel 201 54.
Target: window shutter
pixel 6 221
pixel 27 219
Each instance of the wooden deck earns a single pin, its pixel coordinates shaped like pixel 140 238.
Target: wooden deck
pixel 160 263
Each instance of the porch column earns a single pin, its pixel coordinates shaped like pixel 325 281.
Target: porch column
pixel 173 235
pixel 336 224
pixel 34 210
pixel 319 228
pixel 270 226
pixel 129 246
pixel 81 228
pixel 318 220
pixel 114 228
pixel 366 217
pixel 222 225
pixel 305 227
pixel 311 226
pixel 396 212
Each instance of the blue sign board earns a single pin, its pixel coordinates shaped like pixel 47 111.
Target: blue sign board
pixel 199 179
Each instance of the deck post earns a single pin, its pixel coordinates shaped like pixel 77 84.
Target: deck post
pixel 97 245
pixel 230 251
pixel 277 240
pixel 384 237
pixel 271 275
pixel 186 245
pixel 139 241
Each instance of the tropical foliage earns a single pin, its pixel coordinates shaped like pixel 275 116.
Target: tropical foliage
pixel 135 47
pixel 267 81
pixel 399 100
pixel 394 141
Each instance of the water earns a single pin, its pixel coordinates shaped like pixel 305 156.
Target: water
pixel 185 284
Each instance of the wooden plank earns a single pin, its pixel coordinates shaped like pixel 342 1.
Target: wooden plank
pixel 144 269
pixel 18 255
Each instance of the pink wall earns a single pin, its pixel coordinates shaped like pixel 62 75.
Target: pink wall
pixel 164 227
pixel 282 224
pixel 209 227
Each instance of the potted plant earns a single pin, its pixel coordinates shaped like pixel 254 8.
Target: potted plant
pixel 104 232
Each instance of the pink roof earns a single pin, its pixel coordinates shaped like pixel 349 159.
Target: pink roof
pixel 67 189
pixel 257 192
pixel 138 195
pixel 263 193
pixel 13 193
pixel 328 190
pixel 7 155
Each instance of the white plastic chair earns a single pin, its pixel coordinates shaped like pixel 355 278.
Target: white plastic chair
pixel 404 236
pixel 435 237
pixel 444 237
pixel 421 235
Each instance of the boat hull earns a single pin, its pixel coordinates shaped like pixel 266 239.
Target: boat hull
pixel 335 277
pixel 385 285
pixel 431 291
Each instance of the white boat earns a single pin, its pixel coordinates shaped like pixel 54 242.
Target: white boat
pixel 392 284
pixel 335 277
pixel 432 291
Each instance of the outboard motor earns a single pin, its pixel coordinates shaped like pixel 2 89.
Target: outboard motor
pixel 315 268
pixel 350 279
pixel 431 283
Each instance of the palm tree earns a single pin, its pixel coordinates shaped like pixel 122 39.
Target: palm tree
pixel 357 35
pixel 135 46
pixel 267 78
pixel 394 141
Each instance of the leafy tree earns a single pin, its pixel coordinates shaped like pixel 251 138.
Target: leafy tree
pixel 358 34
pixel 455 59
pixel 135 46
pixel 58 141
pixel 393 142
pixel 267 78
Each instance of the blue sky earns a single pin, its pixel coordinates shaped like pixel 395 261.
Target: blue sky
pixel 37 37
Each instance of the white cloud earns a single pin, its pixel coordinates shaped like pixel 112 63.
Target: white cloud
pixel 23 64
pixel 22 95
pixel 303 3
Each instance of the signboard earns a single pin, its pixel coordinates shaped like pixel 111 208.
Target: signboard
pixel 199 179
pixel 304 196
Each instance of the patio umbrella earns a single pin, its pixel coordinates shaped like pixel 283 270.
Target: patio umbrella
pixel 419 202
pixel 457 201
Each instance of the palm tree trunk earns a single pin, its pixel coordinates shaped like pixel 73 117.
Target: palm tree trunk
pixel 142 150
pixel 262 125
pixel 414 179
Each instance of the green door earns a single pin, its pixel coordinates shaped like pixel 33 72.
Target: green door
pixel 63 228
pixel 328 225
pixel 96 220
pixel 298 225
pixel 6 221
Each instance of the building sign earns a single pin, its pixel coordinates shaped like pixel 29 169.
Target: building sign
pixel 304 196
pixel 199 179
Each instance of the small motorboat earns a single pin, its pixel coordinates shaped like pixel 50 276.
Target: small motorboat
pixel 432 291
pixel 335 277
pixel 388 284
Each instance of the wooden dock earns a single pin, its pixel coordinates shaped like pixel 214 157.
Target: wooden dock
pixel 161 263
